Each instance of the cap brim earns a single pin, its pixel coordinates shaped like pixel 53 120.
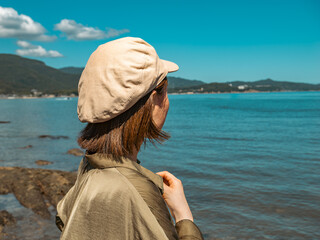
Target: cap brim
pixel 171 66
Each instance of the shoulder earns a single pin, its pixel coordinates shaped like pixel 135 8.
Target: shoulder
pixel 108 205
pixel 138 180
pixel 147 189
pixel 108 183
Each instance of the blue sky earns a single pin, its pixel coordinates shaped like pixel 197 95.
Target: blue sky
pixel 212 41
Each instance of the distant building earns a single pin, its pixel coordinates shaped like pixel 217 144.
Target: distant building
pixel 242 87
pixel 35 92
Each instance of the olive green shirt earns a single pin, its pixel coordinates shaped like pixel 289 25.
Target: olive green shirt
pixel 118 199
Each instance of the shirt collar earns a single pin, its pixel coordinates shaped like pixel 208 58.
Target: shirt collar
pixel 102 160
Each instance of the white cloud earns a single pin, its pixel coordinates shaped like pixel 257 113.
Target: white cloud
pixel 29 49
pixel 25 44
pixel 77 31
pixel 13 25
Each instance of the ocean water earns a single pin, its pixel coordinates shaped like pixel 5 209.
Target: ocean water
pixel 249 163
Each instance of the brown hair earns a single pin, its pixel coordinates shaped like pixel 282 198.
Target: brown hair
pixel 121 135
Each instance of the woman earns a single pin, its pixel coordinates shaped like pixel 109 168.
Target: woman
pixel 123 98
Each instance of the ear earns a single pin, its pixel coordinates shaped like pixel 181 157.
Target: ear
pixel 152 96
pixel 156 98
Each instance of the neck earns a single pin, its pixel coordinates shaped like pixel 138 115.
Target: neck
pixel 133 156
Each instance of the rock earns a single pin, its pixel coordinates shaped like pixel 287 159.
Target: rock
pixel 35 188
pixel 43 162
pixel 6 218
pixel 25 147
pixel 5 122
pixel 76 152
pixel 53 137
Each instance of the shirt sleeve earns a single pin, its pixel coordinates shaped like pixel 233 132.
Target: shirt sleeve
pixel 188 230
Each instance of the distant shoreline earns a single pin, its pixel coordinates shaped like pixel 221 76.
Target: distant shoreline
pixel 64 97
pixel 68 97
pixel 252 91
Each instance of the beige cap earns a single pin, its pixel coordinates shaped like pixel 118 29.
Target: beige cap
pixel 116 76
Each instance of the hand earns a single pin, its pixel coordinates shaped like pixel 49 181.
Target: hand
pixel 174 197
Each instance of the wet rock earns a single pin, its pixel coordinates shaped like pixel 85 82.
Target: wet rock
pixel 5 122
pixel 36 189
pixel 6 218
pixel 25 147
pixel 43 162
pixel 53 137
pixel 76 152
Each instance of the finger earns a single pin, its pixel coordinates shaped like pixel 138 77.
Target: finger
pixel 166 174
pixel 170 178
pixel 165 182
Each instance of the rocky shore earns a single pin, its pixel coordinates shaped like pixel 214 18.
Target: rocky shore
pixel 35 189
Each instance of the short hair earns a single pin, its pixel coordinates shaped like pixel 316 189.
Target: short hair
pixel 120 135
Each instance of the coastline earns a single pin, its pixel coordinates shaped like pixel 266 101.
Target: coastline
pixel 250 91
pixel 68 97
pixel 63 97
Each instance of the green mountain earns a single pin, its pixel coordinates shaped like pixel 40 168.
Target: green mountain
pixel 20 75
pixel 72 70
pixel 242 86
pixel 271 85
pixel 175 82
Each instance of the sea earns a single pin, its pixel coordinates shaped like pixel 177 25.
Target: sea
pixel 249 162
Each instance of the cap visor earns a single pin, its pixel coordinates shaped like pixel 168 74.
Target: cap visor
pixel 171 66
